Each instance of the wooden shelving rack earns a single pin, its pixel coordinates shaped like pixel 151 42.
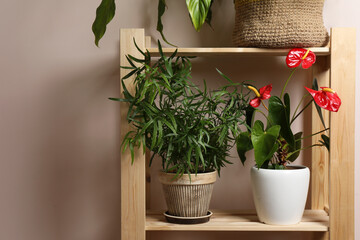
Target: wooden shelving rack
pixel 332 174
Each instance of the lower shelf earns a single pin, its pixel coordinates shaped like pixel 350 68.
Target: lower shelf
pixel 313 221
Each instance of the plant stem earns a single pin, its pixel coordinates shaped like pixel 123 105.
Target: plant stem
pixel 286 83
pixel 264 105
pixel 313 134
pixel 257 110
pixel 300 112
pixel 314 145
pixel 297 108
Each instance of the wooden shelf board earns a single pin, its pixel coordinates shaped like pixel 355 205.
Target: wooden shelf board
pixel 313 221
pixel 319 51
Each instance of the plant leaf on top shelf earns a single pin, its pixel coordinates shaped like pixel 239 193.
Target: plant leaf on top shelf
pixel 104 14
pixel 209 15
pixel 198 10
pixel 160 27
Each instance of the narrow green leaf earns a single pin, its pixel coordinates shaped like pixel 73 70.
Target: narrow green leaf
pixel 224 76
pixel 131 147
pixel 119 99
pixel 137 47
pixel 169 67
pixel 154 136
pixel 136 59
pixel 170 126
pixel 104 14
pixel 174 53
pixel 130 62
pixel 129 74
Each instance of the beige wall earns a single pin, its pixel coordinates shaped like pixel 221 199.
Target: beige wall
pixel 59 144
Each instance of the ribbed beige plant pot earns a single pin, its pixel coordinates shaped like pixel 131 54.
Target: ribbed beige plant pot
pixel 185 198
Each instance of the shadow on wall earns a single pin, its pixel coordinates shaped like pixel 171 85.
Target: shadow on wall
pixel 78 158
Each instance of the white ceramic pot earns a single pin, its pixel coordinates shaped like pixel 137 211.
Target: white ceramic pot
pixel 280 195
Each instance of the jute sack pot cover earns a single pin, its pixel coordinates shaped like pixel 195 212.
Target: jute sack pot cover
pixel 279 23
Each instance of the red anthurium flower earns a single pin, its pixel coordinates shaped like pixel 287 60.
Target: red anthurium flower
pixel 262 94
pixel 300 55
pixel 326 98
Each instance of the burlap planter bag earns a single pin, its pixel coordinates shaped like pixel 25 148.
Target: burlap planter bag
pixel 279 23
pixel 185 198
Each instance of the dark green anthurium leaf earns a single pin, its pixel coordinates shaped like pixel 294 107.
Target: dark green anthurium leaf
pixel 198 10
pixel 294 156
pixel 318 109
pixel 243 144
pixel 315 85
pixel 264 142
pixel 278 116
pixel 287 104
pixel 104 14
pixel 325 141
pixel 249 112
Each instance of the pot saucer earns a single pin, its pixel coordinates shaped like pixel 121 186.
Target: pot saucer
pixel 187 220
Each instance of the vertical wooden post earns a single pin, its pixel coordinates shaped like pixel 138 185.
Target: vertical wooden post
pixel 320 155
pixel 132 175
pixel 342 124
pixel 148 154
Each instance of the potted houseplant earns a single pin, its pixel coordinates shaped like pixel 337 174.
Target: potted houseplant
pixel 199 12
pixel 270 24
pixel 190 129
pixel 279 189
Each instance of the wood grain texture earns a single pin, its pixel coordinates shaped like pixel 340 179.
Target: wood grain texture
pixel 320 155
pixel 132 175
pixel 321 51
pixel 342 135
pixel 232 220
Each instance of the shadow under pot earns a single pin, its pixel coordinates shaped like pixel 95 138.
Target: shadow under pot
pixel 188 199
pixel 280 195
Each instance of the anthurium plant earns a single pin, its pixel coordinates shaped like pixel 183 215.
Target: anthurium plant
pixel 274 142
pixel 199 12
pixel 190 128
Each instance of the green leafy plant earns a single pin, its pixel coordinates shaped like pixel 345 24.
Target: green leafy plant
pixel 190 128
pixel 199 12
pixel 276 145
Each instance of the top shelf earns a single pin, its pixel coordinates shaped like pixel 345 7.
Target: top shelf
pixel 200 52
